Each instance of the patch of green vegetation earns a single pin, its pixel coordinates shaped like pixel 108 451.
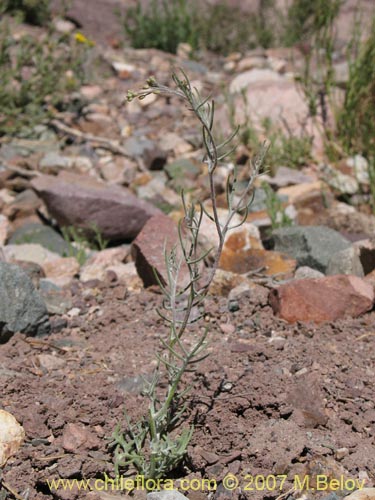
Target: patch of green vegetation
pixel 235 30
pixel 30 11
pixel 162 25
pixel 36 76
pixel 77 242
pixel 80 241
pixel 223 28
pixel 220 28
pixel 276 211
pixel 356 119
pixel 306 18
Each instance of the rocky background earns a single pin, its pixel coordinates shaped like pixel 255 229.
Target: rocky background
pixel 88 198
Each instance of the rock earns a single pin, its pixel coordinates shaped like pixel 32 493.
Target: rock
pixel 96 266
pixel 366 250
pixel 286 176
pixel 118 170
pixel 346 261
pixel 61 271
pixel 4 229
pixel 12 436
pixel 50 239
pixel 360 168
pixel 251 62
pixel 345 218
pixel 275 97
pixel 173 142
pixel 363 494
pixel 90 92
pixel 57 301
pixel 168 495
pixel 245 236
pixel 225 281
pixel 370 278
pixel 79 201
pixel 25 204
pixel 140 148
pixel 307 400
pixel 341 453
pixel 50 362
pixel 126 274
pixel 251 77
pixel 148 250
pixel 311 246
pixel 344 184
pixel 21 307
pixel 29 252
pixel 304 272
pixel 325 299
pixel 123 70
pixel 268 262
pixel 183 173
pixel 53 162
pixel 157 193
pixel 76 436
pixel 33 270
pixel 63 25
pixel 184 50
pixel 300 192
pixel 341 71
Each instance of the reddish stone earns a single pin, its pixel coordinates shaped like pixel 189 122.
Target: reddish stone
pixel 323 299
pixel 159 233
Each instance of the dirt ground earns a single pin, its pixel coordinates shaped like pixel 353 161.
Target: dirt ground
pixel 270 399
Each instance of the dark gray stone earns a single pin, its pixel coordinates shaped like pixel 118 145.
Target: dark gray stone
pixel 311 246
pixel 21 307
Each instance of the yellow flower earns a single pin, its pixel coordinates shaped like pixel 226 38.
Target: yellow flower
pixel 80 38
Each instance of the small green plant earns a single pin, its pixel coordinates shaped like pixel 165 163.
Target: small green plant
pixel 276 212
pixel 31 11
pixel 220 28
pixel 306 19
pixel 152 446
pixel 80 241
pixel 36 77
pixel 288 150
pixel 162 25
pixel 77 243
pixel 356 124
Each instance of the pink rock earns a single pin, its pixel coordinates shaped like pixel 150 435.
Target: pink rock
pixel 324 299
pixel 61 271
pixel 148 249
pixel 82 201
pixel 78 436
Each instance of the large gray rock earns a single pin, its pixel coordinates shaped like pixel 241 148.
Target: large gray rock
pixel 311 246
pixel 81 201
pixel 21 307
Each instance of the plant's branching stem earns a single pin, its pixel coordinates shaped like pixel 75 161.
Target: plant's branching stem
pixel 183 302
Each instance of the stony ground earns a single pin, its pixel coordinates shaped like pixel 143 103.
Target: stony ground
pixel 287 388
pixel 271 398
